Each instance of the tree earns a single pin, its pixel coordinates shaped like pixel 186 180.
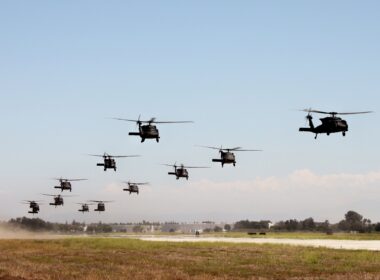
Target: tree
pixel 138 229
pixel 308 224
pixel 354 222
pixel 227 227
pixel 218 229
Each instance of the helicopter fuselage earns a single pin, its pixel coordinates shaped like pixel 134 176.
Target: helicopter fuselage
pixel 148 131
pixel 64 185
pixel 132 189
pixel 180 173
pixel 85 208
pixel 226 158
pixel 35 208
pixel 58 201
pixel 101 207
pixel 329 125
pixel 109 163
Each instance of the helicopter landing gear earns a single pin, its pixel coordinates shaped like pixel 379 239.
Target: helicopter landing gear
pixel 222 164
pixel 234 164
pixel 316 136
pixel 142 140
pixel 114 169
pixel 177 178
pixel 328 134
pixel 187 178
pixel 344 134
pixel 158 139
pixel 105 169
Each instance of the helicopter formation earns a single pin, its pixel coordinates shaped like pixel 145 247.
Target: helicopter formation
pixel 148 130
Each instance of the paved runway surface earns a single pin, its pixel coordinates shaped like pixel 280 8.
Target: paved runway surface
pixel 370 245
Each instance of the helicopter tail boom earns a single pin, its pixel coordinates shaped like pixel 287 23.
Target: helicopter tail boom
pixel 216 160
pixel 134 133
pixel 172 173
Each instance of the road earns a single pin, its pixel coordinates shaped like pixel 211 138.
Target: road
pixel 370 245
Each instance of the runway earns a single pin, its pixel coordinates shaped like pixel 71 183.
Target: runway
pixel 370 245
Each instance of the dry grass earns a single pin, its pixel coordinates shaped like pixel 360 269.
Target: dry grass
pixel 109 258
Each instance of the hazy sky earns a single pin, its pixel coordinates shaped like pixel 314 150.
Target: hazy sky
pixel 238 69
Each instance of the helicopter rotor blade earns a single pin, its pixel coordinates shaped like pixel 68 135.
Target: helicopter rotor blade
pixel 355 113
pixel 335 113
pixel 194 167
pixel 209 147
pixel 130 156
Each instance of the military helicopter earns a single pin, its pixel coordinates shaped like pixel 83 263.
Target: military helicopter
pixel 84 207
pixel 109 160
pixel 65 184
pixel 33 205
pixel 227 156
pixel 147 129
pixel 331 124
pixel 133 187
pixel 181 171
pixel 101 205
pixel 58 199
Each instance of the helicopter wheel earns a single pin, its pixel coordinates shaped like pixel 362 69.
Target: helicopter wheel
pixel 114 169
pixel 344 133
pixel 234 163
pixel 142 140
pixel 105 169
pixel 157 140
pixel 187 178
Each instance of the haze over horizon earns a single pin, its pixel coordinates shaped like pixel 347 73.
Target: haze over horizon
pixel 239 70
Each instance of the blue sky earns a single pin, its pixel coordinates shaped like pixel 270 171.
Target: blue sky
pixel 239 70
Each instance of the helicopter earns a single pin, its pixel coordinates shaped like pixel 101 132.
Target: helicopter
pixel 101 205
pixel 331 124
pixel 33 205
pixel 58 199
pixel 147 129
pixel 226 154
pixel 133 187
pixel 181 171
pixel 84 207
pixel 65 184
pixel 109 160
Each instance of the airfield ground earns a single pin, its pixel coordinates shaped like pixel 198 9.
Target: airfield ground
pixel 126 258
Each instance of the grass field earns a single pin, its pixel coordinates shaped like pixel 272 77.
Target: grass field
pixel 108 258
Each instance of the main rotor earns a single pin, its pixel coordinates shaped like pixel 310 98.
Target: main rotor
pixel 150 121
pixel 334 114
pixel 105 155
pixel 236 149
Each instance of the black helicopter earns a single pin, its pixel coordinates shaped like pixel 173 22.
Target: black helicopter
pixel 147 129
pixel 33 205
pixel 226 154
pixel 133 187
pixel 65 184
pixel 331 124
pixel 58 199
pixel 84 207
pixel 181 171
pixel 100 205
pixel 109 160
